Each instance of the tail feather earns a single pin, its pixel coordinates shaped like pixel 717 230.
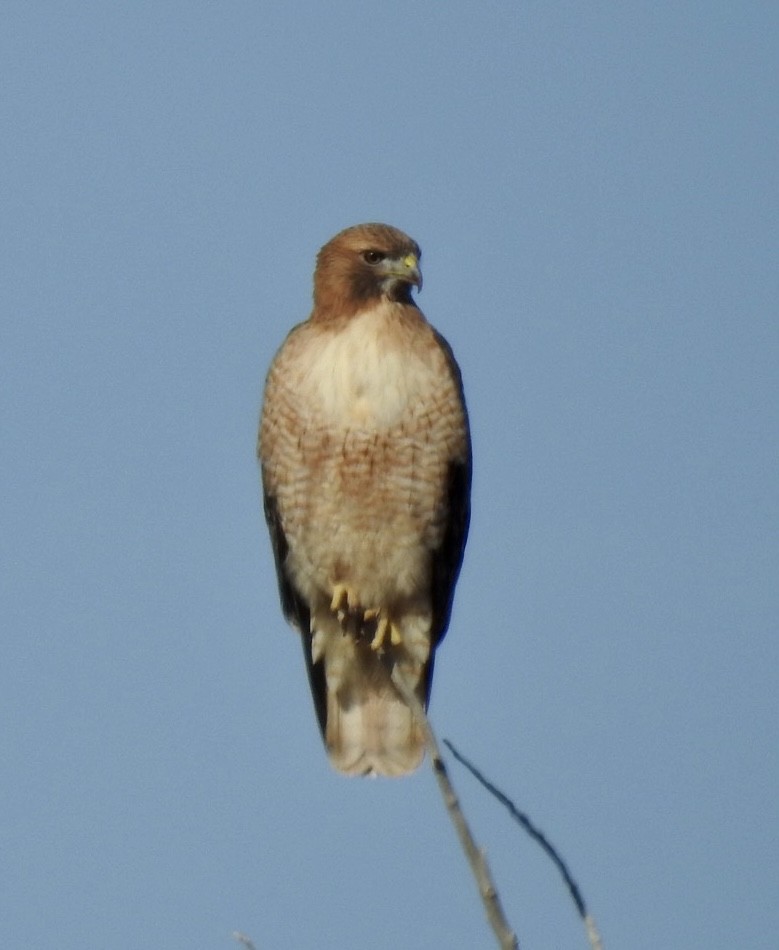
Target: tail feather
pixel 370 730
pixel 366 725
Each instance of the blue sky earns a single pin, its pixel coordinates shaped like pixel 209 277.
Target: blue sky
pixel 595 191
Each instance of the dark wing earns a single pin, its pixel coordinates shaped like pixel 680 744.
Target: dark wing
pixel 294 606
pixel 448 558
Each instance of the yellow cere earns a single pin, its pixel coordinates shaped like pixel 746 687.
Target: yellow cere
pixel 410 261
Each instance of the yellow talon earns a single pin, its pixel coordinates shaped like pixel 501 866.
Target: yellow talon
pixel 383 627
pixel 339 595
pixel 381 633
pixel 343 595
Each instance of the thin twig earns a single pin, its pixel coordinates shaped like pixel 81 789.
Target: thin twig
pixel 522 819
pixel 242 938
pixel 476 859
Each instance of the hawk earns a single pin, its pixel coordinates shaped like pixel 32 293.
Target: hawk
pixel 366 470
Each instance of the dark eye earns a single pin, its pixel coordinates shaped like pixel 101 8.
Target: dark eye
pixel 373 257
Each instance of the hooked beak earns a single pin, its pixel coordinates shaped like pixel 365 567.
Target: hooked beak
pixel 405 269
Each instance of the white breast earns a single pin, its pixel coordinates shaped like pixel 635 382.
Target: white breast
pixel 362 376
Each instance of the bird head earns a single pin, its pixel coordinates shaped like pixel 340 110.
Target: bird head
pixel 365 263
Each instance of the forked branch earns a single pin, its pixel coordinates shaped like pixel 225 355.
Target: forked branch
pixel 522 819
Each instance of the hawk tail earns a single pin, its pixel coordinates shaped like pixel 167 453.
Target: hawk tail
pixel 366 725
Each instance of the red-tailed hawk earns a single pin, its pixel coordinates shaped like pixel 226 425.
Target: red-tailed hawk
pixel 366 472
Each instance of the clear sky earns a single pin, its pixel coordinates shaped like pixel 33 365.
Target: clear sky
pixel 594 187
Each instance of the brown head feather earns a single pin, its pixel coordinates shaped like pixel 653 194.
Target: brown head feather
pixel 345 280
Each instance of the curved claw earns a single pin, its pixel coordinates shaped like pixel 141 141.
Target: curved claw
pixel 383 627
pixel 343 597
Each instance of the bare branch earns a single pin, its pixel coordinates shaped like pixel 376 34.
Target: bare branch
pixel 476 859
pixel 522 819
pixel 592 933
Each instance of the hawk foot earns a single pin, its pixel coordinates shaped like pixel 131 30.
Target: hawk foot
pixel 343 597
pixel 384 626
pixel 373 624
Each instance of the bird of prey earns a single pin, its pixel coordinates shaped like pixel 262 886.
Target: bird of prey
pixel 366 470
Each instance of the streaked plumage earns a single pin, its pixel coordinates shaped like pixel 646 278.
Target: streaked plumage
pixel 366 469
